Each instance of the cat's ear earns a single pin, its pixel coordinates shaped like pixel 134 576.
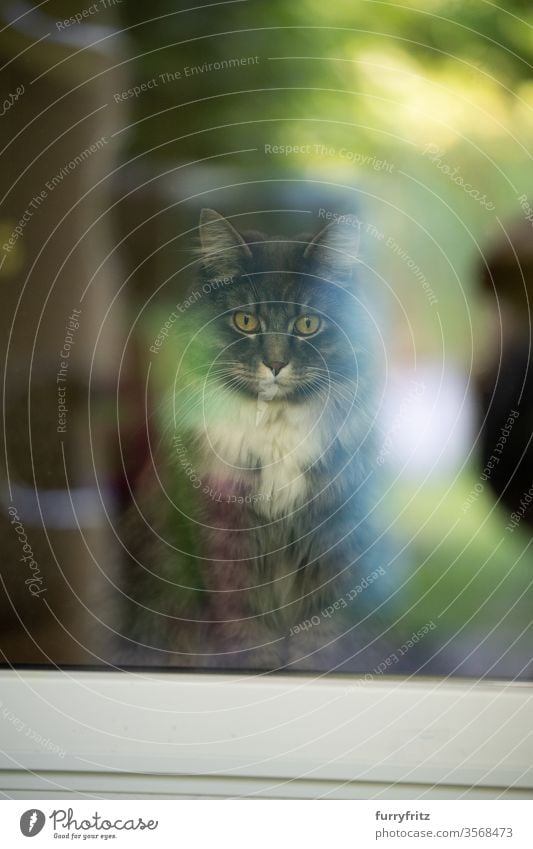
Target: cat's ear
pixel 334 250
pixel 222 248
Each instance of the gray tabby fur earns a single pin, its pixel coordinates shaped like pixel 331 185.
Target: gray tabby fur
pixel 283 520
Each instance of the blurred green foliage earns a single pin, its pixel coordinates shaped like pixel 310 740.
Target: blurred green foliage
pixel 381 65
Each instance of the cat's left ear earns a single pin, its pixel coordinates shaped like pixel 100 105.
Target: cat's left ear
pixel 223 249
pixel 334 250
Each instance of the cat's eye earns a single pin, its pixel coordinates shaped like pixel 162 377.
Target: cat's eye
pixel 307 324
pixel 246 322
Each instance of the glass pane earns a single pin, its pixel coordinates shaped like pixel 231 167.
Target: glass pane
pixel 267 272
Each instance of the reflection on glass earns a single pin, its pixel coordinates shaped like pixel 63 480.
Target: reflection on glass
pixel 290 431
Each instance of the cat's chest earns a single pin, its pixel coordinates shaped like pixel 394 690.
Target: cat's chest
pixel 269 447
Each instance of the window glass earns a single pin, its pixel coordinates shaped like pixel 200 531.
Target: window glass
pixel 266 270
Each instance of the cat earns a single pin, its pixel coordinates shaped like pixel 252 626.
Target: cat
pixel 264 516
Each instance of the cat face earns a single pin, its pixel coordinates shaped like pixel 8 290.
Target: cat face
pixel 281 316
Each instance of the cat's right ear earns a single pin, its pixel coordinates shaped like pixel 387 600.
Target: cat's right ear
pixel 222 249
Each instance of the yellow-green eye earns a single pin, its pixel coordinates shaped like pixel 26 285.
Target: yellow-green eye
pixel 246 322
pixel 307 324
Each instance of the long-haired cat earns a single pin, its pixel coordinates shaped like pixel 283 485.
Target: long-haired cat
pixel 259 544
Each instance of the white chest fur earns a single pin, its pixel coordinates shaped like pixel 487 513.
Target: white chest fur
pixel 272 445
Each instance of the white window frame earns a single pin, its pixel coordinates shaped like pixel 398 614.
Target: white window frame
pixel 180 735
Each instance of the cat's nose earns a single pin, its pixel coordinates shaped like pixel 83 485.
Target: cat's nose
pixel 275 366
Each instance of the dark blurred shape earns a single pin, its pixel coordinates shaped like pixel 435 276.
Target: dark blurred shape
pixel 57 276
pixel 505 385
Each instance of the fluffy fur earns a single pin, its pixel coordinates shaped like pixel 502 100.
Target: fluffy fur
pixel 268 460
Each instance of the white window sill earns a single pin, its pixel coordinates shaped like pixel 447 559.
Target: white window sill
pixel 183 735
